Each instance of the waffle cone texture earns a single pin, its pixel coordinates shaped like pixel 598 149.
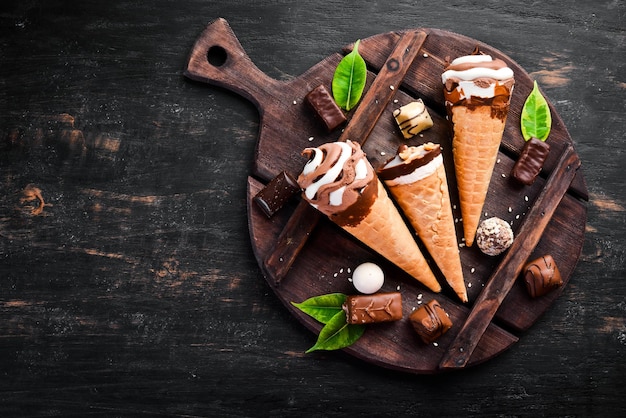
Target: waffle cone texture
pixel 426 204
pixel 475 145
pixel 384 231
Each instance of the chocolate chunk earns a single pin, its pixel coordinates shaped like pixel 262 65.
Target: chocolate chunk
pixel 542 276
pixel 326 108
pixel 367 309
pixel 530 161
pixel 276 193
pixel 430 321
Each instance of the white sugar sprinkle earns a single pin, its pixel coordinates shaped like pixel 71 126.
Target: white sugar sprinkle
pixel 349 270
pixel 383 153
pixel 350 279
pixel 503 175
pixel 311 138
pixel 526 198
pixel 335 275
pixel 419 296
pixel 472 270
pixel 294 102
pixel 392 87
pixel 498 161
pixel 280 259
pixel 395 100
pixel 469 285
pixel 398 288
pixel 436 344
pixel 516 216
pixel 341 270
pixel 425 55
pixel 510 209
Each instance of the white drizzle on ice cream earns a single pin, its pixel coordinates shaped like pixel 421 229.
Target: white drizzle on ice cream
pixel 477 80
pixel 419 173
pixel 503 73
pixel 335 181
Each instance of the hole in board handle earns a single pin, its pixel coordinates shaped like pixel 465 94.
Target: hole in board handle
pixel 217 56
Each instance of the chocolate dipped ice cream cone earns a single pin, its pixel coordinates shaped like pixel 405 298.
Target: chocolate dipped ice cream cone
pixel 416 179
pixel 339 181
pixel 477 92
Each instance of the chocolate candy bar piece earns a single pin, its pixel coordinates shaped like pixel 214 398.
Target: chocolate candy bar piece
pixel 542 276
pixel 530 161
pixel 430 321
pixel 276 193
pixel 326 108
pixel 413 118
pixel 367 309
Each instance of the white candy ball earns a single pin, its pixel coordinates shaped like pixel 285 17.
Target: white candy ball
pixel 368 278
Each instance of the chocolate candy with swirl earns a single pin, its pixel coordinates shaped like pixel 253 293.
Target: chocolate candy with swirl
pixel 542 276
pixel 430 321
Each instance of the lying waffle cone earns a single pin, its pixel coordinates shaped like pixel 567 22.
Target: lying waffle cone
pixel 416 178
pixel 340 182
pixel 477 91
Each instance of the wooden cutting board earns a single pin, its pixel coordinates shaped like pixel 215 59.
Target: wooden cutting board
pixel 287 126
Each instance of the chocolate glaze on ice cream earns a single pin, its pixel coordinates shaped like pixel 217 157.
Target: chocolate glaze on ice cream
pixel 478 80
pixel 339 182
pixel 405 166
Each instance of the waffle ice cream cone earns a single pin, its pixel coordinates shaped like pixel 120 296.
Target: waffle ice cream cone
pixel 416 178
pixel 340 182
pixel 477 91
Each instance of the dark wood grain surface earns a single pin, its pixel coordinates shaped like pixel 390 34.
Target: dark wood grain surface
pixel 128 285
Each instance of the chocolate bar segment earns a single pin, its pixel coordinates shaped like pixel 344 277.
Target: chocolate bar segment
pixel 276 193
pixel 542 276
pixel 430 321
pixel 325 107
pixel 367 309
pixel 529 164
pixel 413 118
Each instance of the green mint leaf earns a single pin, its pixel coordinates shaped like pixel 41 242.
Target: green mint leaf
pixel 349 79
pixel 337 334
pixel 536 120
pixel 323 308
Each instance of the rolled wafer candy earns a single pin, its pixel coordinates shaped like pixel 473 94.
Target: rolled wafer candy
pixel 276 193
pixel 430 321
pixel 542 276
pixel 413 118
pixel 530 161
pixel 379 307
pixel 325 107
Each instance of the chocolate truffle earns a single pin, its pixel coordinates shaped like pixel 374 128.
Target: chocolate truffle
pixel 493 236
pixel 430 321
pixel 367 309
pixel 542 276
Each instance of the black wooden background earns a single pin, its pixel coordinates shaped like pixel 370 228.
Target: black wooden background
pixel 134 290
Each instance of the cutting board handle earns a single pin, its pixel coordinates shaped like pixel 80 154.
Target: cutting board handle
pixel 218 58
